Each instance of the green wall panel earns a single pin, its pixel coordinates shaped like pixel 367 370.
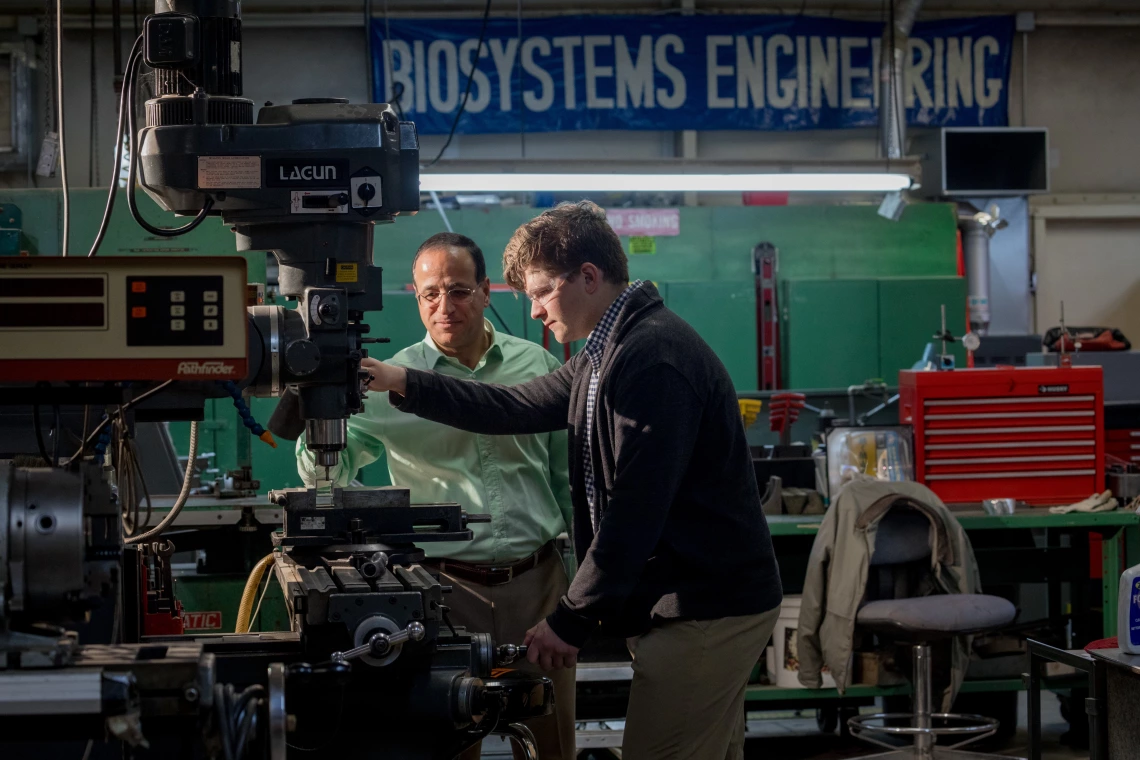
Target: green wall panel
pixel 715 242
pixel 43 215
pixel 910 312
pixel 704 273
pixel 843 332
pixel 836 241
pixel 830 332
pixel 725 315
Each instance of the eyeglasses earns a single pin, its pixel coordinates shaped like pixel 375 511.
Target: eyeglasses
pixel 546 292
pixel 458 296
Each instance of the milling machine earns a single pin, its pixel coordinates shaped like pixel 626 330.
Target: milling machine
pixel 372 662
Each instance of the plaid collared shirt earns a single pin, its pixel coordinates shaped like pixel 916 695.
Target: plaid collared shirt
pixel 595 347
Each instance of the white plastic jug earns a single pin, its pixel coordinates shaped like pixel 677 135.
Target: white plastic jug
pixel 1128 611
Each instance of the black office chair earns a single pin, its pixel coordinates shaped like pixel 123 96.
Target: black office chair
pixel 903 538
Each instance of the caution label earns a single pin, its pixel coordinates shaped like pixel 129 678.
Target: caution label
pixel 347 273
pixel 228 172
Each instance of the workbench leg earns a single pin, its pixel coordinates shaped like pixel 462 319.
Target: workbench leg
pixel 1113 549
pixel 1131 545
pixel 1054 609
pixel 1098 715
pixel 1033 705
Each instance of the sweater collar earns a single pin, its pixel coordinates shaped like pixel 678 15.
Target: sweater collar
pixel 596 342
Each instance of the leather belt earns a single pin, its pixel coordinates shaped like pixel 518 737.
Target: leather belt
pixel 491 575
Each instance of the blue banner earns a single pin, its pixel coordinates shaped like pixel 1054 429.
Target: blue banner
pixel 675 72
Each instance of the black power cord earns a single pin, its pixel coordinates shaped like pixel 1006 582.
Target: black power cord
pixel 107 420
pixel 57 429
pixel 40 436
pixel 93 141
pixel 131 84
pixel 467 91
pixel 136 51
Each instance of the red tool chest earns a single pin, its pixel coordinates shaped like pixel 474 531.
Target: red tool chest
pixel 1123 444
pixel 1029 433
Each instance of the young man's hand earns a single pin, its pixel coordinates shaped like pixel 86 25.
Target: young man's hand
pixel 385 377
pixel 547 651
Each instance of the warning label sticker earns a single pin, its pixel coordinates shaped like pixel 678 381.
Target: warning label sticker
pixel 228 172
pixel 347 273
pixel 312 523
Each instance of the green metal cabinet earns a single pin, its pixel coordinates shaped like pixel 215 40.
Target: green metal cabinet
pixel 724 314
pixel 829 332
pixel 910 314
pixel 843 332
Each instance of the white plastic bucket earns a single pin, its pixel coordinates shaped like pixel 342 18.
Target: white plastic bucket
pixel 784 641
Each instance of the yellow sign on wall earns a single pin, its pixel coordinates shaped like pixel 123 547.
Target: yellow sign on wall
pixel 642 245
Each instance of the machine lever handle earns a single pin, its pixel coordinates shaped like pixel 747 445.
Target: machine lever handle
pixel 380 644
pixel 507 654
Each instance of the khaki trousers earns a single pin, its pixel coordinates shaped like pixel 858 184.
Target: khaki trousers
pixel 687 697
pixel 507 612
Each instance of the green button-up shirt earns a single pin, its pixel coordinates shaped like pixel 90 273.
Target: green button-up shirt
pixel 520 480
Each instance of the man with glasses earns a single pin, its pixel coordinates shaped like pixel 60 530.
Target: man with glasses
pixel 674 552
pixel 510 576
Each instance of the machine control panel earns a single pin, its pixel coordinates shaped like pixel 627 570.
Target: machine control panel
pixel 123 318
pixel 174 311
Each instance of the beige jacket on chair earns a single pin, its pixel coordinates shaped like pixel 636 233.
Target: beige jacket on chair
pixel 838 568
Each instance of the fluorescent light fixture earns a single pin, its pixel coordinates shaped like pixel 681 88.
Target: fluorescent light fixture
pixel 805 182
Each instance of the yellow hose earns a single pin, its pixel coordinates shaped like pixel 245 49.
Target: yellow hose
pixel 248 596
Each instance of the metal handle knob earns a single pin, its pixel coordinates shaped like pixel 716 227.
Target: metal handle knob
pixel 509 653
pixel 380 644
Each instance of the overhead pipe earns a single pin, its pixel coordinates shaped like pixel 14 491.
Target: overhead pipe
pixel 976 251
pixel 892 69
pixel 977 227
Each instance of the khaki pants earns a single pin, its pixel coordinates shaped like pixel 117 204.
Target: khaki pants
pixel 507 612
pixel 687 697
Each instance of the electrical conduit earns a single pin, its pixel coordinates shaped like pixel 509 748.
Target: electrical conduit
pixel 249 594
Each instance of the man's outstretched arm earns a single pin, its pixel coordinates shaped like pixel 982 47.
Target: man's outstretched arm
pixel 537 406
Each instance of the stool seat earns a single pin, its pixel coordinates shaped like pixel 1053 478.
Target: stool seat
pixel 937 617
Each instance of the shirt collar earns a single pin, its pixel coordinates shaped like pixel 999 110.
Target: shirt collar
pixel 596 342
pixel 433 356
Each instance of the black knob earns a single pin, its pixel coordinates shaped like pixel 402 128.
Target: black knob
pixel 329 311
pixel 342 199
pixel 366 191
pixel 302 357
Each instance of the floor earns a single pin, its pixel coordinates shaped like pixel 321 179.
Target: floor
pixel 789 736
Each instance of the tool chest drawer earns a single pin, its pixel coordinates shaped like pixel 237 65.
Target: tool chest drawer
pixel 1035 434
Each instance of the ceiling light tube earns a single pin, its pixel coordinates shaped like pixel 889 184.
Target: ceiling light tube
pixel 507 182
